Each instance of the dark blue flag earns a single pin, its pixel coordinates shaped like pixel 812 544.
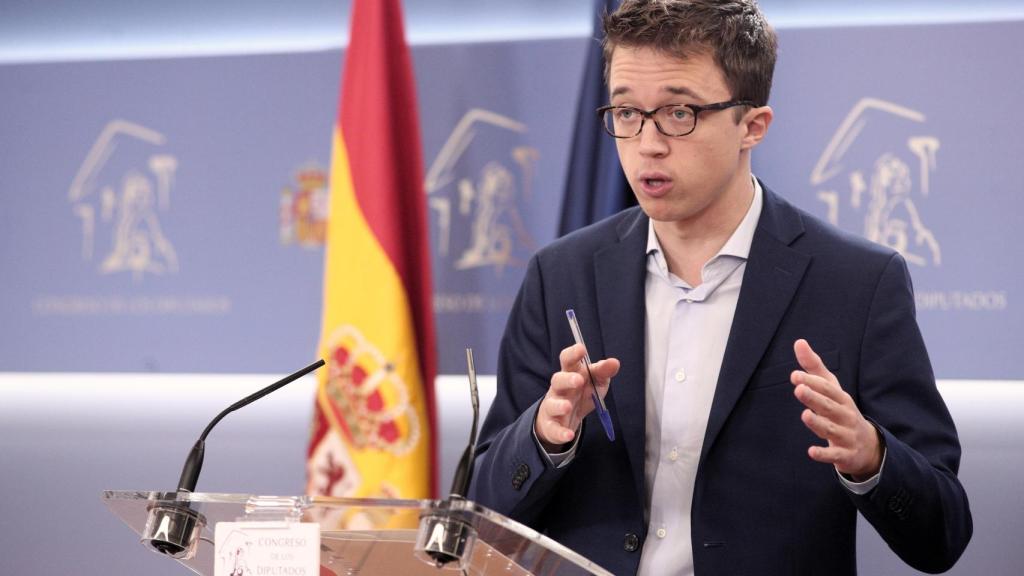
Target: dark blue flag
pixel 596 187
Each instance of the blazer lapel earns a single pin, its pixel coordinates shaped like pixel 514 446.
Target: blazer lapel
pixel 619 272
pixel 773 273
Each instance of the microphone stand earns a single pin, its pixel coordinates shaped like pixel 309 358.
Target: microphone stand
pixel 444 537
pixel 173 529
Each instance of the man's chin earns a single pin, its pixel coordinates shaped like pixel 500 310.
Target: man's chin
pixel 659 210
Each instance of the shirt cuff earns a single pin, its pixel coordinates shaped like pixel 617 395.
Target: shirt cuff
pixel 862 488
pixel 561 459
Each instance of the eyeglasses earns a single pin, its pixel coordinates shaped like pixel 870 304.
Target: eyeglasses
pixel 670 119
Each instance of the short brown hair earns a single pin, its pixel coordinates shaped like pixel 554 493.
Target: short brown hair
pixel 735 32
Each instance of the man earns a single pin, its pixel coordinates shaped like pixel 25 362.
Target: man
pixel 765 374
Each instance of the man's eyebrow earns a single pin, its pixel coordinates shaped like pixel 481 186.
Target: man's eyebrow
pixel 681 91
pixel 675 90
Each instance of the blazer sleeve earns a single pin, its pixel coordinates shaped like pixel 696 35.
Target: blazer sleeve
pixel 511 475
pixel 919 506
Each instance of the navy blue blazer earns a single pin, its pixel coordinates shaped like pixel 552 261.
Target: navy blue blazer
pixel 760 504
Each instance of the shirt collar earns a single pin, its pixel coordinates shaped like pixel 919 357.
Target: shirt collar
pixel 737 245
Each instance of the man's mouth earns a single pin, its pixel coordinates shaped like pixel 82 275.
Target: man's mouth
pixel 654 183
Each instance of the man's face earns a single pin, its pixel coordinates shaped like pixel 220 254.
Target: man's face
pixel 693 180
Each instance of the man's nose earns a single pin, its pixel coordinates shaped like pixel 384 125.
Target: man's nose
pixel 652 141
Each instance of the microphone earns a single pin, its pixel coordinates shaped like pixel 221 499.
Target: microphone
pixel 194 462
pixel 464 471
pixel 173 529
pixel 445 534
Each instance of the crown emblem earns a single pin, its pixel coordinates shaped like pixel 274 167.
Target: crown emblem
pixel 302 217
pixel 368 396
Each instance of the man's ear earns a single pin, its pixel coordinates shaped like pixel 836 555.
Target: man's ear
pixel 756 121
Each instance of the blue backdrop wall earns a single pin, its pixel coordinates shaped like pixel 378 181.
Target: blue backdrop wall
pixel 164 215
pixel 167 215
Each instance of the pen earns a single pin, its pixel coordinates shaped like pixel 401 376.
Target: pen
pixel 602 410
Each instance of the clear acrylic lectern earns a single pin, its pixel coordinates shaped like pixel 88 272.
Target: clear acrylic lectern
pixel 379 537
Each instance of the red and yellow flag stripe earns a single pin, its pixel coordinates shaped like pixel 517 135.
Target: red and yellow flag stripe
pixel 374 429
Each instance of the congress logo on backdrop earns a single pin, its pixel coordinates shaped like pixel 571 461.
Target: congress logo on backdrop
pixel 476 187
pixel 118 195
pixel 875 177
pixel 484 222
pixel 304 208
pixel 121 197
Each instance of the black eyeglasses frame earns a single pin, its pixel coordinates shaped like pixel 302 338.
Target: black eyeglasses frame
pixel 649 114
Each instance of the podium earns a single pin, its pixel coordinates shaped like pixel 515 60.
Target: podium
pixel 365 537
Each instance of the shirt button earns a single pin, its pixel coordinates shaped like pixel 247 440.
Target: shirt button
pixel 680 375
pixel 673 455
pixel 661 532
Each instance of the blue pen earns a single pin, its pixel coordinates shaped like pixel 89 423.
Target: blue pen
pixel 602 410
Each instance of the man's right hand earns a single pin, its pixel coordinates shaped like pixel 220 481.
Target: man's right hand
pixel 568 398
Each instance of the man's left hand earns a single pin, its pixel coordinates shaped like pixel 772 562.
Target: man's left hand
pixel 853 444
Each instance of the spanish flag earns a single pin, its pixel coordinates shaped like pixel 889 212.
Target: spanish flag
pixel 373 429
